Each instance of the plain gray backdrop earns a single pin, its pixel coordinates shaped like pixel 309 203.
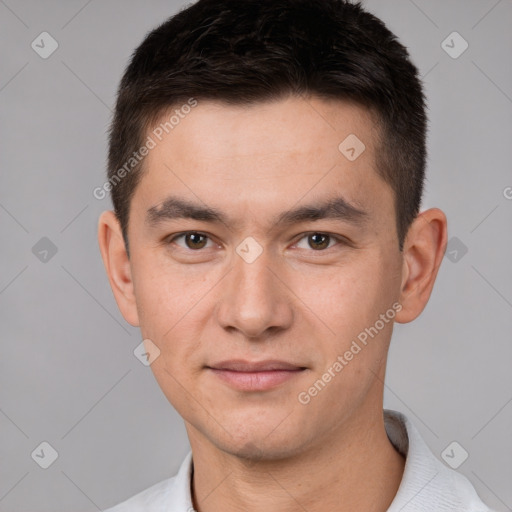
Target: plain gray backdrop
pixel 69 376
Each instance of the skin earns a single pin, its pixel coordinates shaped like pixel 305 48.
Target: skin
pixel 299 301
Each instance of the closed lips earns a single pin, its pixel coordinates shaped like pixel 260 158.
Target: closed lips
pixel 260 366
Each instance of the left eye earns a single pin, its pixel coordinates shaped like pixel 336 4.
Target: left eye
pixel 317 241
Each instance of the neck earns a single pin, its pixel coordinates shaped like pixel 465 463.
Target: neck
pixel 357 468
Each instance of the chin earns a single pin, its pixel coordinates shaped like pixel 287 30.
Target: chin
pixel 255 432
pixel 254 446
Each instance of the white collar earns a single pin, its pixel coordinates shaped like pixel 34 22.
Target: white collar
pixel 427 484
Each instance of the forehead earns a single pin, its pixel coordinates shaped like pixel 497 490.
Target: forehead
pixel 256 157
pixel 293 125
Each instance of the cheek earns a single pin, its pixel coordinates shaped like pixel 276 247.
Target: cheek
pixel 157 303
pixel 165 294
pixel 173 304
pixel 347 299
pixel 338 295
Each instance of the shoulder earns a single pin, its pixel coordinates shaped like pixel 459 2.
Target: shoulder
pixel 151 499
pixel 170 494
pixel 427 484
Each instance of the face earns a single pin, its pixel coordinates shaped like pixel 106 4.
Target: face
pixel 260 252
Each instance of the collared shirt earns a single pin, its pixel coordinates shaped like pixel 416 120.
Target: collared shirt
pixel 427 484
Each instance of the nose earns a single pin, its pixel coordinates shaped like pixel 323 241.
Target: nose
pixel 254 299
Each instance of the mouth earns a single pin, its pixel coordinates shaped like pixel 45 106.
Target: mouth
pixel 255 376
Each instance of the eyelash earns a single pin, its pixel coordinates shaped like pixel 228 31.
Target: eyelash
pixel 340 240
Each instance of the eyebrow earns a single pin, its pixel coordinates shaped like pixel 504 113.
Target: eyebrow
pixel 176 208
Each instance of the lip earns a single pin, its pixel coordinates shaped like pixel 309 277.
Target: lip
pixel 240 365
pixel 255 376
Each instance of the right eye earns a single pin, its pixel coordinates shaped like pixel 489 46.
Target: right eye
pixel 192 240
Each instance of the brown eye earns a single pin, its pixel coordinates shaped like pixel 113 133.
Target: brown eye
pixel 191 240
pixel 195 240
pixel 318 241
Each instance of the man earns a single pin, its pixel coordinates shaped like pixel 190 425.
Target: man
pixel 266 167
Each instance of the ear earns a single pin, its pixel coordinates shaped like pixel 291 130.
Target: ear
pixel 423 252
pixel 117 265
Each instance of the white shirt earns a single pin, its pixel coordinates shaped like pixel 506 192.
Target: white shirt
pixel 427 484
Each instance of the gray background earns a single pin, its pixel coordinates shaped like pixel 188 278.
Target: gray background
pixel 68 373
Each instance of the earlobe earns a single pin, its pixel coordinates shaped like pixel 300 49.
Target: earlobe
pixel 117 265
pixel 423 253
